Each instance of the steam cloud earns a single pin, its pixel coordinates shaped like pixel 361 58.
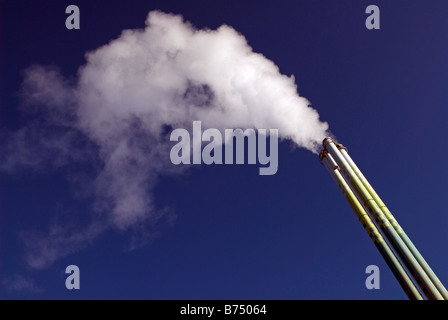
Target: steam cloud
pixel 128 96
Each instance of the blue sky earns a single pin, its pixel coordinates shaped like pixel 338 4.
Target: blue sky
pixel 228 232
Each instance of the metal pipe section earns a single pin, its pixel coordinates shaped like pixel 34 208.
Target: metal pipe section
pixel 438 284
pixel 387 254
pixel 405 254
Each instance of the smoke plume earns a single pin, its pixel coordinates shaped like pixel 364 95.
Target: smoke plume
pixel 134 90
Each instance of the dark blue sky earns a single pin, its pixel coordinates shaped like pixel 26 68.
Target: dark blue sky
pixel 239 235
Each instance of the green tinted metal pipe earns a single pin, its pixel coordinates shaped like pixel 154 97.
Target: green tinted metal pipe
pixel 382 246
pixel 435 280
pixel 405 254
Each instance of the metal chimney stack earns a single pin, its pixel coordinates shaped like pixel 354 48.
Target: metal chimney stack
pixel 404 260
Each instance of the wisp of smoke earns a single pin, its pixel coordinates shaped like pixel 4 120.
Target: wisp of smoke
pixel 131 90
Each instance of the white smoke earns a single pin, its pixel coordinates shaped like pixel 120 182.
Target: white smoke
pixel 134 89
